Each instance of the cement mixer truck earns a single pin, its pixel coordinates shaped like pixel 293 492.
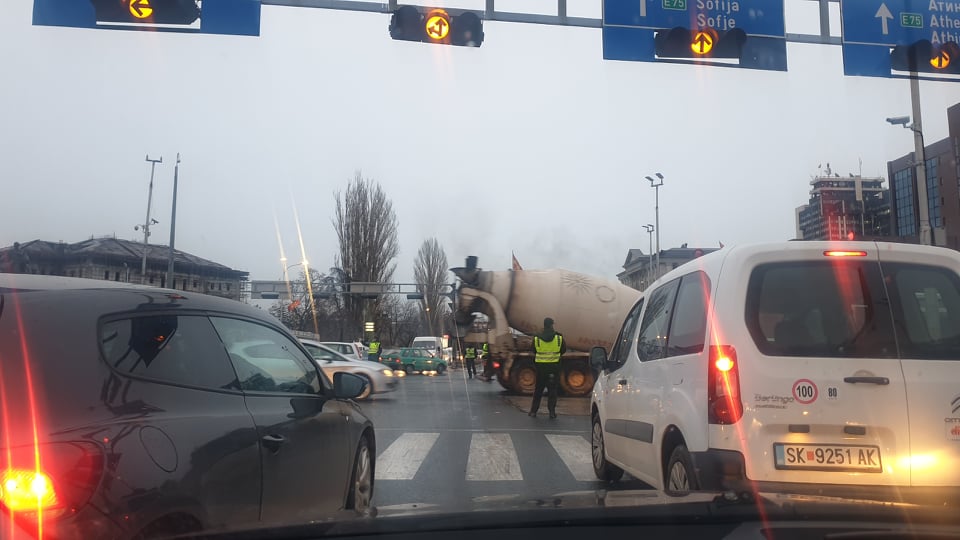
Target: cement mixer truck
pixel 587 310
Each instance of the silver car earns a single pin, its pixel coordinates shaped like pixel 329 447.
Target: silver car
pixel 380 379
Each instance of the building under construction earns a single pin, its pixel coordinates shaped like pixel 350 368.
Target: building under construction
pixel 844 208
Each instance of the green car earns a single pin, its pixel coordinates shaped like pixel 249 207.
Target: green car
pixel 412 360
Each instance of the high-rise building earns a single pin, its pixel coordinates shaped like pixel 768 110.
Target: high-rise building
pixel 843 208
pixel 943 189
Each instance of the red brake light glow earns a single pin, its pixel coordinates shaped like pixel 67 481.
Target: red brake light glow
pixel 844 253
pixel 723 386
pixel 25 490
pixel 63 481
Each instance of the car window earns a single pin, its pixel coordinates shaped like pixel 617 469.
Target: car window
pixel 927 310
pixel 652 341
pixel 178 349
pixel 828 308
pixel 621 348
pixel 689 326
pixel 265 359
pixel 319 353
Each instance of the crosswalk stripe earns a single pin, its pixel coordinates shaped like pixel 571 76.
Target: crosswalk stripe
pixel 402 459
pixel 492 458
pixel 576 454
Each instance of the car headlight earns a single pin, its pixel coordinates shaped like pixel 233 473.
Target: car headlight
pixel 388 372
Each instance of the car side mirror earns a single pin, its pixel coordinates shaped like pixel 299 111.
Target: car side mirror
pixel 348 385
pixel 598 358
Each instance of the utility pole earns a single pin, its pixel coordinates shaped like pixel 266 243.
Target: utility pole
pixel 923 204
pixel 146 224
pixel 173 224
pixel 655 184
pixel 649 229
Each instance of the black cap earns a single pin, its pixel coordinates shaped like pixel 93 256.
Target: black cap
pixel 548 322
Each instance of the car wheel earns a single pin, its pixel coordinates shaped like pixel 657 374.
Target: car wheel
pixel 679 478
pixel 441 369
pixel 369 388
pixel 361 483
pixel 409 369
pixel 601 467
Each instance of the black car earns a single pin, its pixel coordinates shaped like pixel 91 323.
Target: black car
pixel 130 411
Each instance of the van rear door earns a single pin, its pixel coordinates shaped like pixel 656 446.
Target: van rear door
pixel 924 286
pixel 822 388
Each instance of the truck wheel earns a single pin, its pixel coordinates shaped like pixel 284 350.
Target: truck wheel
pixel 576 379
pixel 523 378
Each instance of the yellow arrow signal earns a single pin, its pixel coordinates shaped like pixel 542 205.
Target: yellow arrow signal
pixel 438 25
pixel 702 42
pixel 940 60
pixel 141 9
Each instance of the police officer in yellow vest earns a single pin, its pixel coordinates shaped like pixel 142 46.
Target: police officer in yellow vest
pixel 549 346
pixel 373 354
pixel 471 357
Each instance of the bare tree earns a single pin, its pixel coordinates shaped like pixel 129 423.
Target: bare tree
pixel 366 228
pixel 431 273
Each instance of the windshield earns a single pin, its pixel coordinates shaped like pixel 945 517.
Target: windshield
pixel 674 247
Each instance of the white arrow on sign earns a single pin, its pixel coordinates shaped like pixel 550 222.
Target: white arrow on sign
pixel 885 16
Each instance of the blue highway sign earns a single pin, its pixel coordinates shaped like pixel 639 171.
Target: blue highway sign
pixel 229 17
pixel 629 28
pixel 872 27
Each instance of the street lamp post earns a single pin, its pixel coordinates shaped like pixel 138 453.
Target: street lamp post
pixel 649 229
pixel 147 223
pixel 920 161
pixel 655 184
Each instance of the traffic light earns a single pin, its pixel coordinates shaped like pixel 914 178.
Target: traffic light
pixel 925 57
pixel 181 12
pixel 433 25
pixel 699 43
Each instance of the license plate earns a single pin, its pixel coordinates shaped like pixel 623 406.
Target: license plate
pixel 823 457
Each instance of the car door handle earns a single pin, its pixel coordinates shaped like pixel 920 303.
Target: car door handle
pixel 867 380
pixel 273 442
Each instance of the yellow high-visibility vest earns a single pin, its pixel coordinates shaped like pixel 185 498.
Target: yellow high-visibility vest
pixel 471 353
pixel 374 347
pixel 548 352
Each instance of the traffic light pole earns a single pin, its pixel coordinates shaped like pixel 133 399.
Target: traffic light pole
pixel 173 224
pixel 146 224
pixel 919 155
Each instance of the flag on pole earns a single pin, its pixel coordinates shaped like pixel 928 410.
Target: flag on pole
pixel 721 244
pixel 516 263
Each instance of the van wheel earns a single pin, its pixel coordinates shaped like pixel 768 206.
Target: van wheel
pixel 679 478
pixel 409 369
pixel 441 369
pixel 601 467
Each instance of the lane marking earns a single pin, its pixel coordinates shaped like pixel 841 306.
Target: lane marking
pixel 403 458
pixel 488 430
pixel 492 458
pixel 576 454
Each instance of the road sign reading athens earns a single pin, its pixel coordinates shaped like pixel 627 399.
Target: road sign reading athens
pixel 630 30
pixel 872 27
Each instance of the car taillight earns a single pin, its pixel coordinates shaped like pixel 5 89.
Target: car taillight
pixel 496 365
pixel 723 386
pixel 67 476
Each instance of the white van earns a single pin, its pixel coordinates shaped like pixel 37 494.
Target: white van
pixel 433 344
pixel 804 367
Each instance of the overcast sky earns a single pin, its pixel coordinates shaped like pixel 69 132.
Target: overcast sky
pixel 532 143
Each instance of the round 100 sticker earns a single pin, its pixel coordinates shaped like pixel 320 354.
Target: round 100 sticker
pixel 805 391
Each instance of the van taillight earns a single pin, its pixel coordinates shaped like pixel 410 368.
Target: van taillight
pixel 723 386
pixel 67 476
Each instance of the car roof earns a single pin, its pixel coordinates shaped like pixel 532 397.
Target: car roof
pixel 57 286
pixel 712 262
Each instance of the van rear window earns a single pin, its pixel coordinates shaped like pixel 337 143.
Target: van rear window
pixel 926 303
pixel 833 308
